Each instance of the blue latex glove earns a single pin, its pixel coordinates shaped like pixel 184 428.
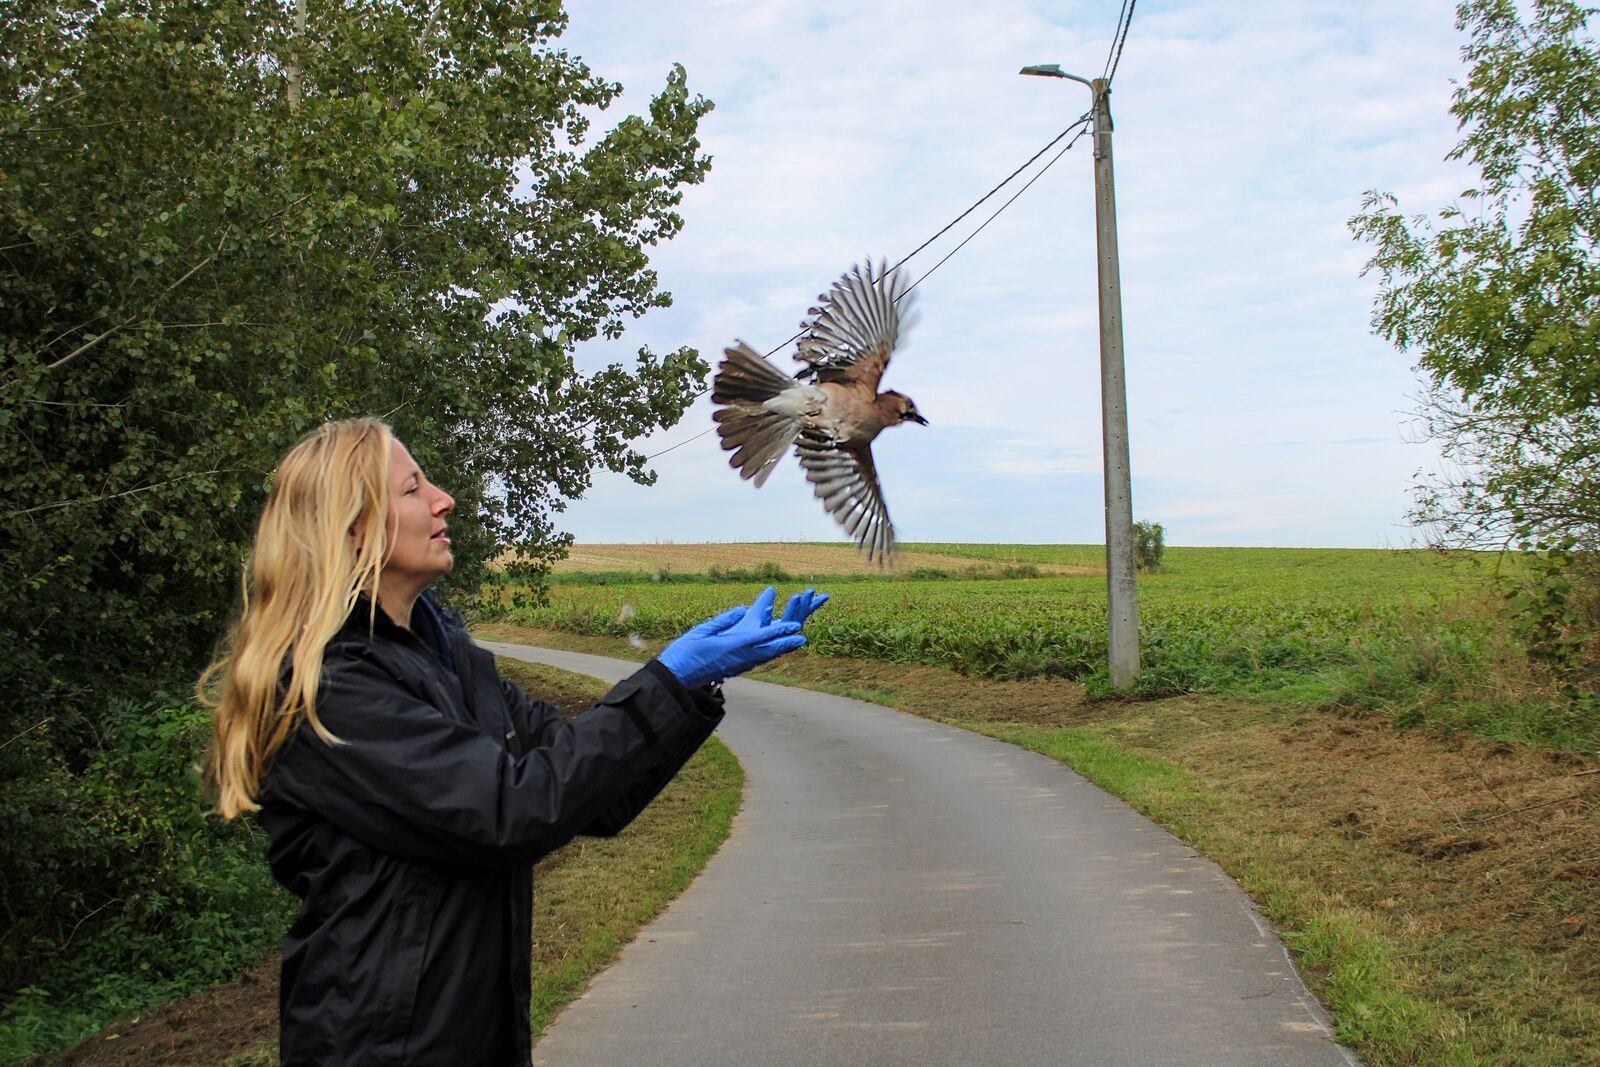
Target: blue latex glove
pixel 732 643
pixel 801 605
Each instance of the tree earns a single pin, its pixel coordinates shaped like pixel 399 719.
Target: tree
pixel 223 222
pixel 1149 542
pixel 1497 296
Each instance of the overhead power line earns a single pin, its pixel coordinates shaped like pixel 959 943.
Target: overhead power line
pixel 1083 128
pixel 1122 16
pixel 1082 121
pixel 1080 127
pixel 1118 39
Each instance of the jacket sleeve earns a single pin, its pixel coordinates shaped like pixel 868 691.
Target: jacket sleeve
pixel 537 719
pixel 409 780
pixel 534 719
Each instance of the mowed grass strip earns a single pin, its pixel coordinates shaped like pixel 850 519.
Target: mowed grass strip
pixel 590 899
pixel 1440 892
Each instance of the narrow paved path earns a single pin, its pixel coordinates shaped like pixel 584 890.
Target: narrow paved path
pixel 899 891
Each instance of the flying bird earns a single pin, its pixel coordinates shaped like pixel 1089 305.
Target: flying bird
pixel 830 410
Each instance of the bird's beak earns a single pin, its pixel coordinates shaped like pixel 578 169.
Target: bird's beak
pixel 912 416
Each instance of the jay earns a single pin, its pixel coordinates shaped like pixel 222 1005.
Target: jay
pixel 830 410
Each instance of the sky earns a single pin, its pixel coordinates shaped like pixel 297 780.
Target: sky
pixel 1262 410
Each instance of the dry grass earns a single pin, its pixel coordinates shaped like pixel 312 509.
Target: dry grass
pixel 797 558
pixel 1442 892
pixel 1476 863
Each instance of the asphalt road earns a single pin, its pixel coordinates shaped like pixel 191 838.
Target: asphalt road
pixel 898 891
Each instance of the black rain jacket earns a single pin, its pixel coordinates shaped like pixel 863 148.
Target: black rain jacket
pixel 411 844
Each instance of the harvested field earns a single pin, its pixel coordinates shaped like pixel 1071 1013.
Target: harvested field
pixel 797 558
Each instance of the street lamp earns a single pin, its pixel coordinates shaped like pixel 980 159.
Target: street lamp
pixel 1122 605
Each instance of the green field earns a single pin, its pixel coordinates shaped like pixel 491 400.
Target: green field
pixel 1414 633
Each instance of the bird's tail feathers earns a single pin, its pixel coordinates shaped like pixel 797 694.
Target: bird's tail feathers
pixel 757 437
pixel 745 377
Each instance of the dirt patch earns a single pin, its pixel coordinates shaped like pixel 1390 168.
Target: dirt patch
pixel 796 558
pixel 1477 861
pixel 205 1029
pixel 1479 840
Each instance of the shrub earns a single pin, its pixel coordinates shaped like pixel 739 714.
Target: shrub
pixel 1149 541
pixel 123 890
pixel 768 572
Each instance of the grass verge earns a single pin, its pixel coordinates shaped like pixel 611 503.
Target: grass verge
pixel 1440 891
pixel 590 899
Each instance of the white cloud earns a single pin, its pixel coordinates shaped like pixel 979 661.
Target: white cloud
pixel 1246 136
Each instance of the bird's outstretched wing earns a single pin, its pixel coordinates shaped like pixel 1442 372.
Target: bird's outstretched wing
pixel 847 484
pixel 849 336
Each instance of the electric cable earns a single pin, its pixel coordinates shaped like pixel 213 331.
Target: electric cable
pixel 1081 126
pixel 1116 33
pixel 1003 183
pixel 1083 129
pixel 1078 125
pixel 1120 41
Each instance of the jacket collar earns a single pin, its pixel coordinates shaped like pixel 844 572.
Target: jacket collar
pixel 427 626
pixel 427 623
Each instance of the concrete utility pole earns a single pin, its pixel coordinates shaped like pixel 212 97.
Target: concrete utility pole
pixel 1122 604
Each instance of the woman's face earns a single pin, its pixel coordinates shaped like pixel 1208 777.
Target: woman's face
pixel 417 507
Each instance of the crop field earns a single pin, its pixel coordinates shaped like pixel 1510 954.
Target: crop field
pixel 1267 622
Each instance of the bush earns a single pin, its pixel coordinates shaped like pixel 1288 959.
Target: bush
pixel 1149 541
pixel 767 572
pixel 121 890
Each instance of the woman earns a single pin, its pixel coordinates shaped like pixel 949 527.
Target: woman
pixel 406 790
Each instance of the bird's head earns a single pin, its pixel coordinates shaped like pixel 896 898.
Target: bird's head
pixel 905 408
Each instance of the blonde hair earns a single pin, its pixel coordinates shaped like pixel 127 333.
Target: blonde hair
pixel 300 583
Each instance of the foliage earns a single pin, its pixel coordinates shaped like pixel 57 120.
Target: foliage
pixel 773 574
pixel 1497 295
pixel 186 899
pixel 1218 616
pixel 1093 556
pixel 1149 541
pixel 218 228
pixel 1498 298
pixel 1553 609
pixel 766 572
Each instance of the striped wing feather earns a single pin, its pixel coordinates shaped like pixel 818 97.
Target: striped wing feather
pixel 757 435
pixel 846 482
pixel 850 335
